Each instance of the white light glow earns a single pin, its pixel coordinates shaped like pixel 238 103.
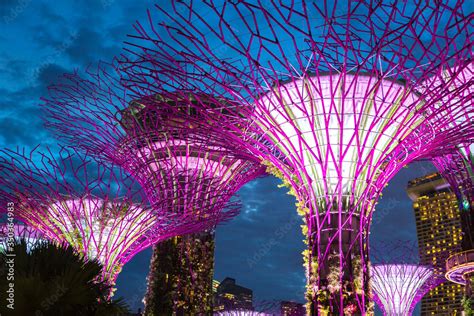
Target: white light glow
pixel 98 229
pixel 397 285
pixel 338 128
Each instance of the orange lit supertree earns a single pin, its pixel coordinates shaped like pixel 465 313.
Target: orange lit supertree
pixel 328 97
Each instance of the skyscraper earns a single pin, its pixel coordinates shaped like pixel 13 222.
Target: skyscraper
pixel 439 231
pixel 292 309
pixel 232 296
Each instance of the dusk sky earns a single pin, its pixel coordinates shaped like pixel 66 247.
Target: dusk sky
pixel 261 247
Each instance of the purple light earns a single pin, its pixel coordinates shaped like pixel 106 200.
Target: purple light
pixel 327 102
pixel 183 164
pixel 94 208
pixel 241 313
pixel 399 287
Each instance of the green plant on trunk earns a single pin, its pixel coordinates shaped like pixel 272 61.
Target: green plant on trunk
pixel 468 305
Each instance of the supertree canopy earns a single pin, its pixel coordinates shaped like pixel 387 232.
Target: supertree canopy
pixel 259 308
pixel 326 93
pixel 399 287
pixel 94 208
pixel 182 163
pixel 240 312
pixel 397 279
pixel 159 139
pixel 456 165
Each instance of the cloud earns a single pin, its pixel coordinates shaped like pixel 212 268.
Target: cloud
pixel 91 46
pixel 265 241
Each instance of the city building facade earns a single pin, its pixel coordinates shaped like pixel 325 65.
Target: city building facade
pixel 230 296
pixel 440 233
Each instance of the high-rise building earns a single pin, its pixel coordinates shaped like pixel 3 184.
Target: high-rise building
pixel 230 296
pixel 292 309
pixel 439 230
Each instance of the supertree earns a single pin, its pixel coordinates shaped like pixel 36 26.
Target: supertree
pixel 399 287
pixel 96 209
pixel 327 93
pixel 456 165
pixel 398 281
pixel 260 308
pixel 180 161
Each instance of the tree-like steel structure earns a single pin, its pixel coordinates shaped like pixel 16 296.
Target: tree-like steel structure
pixel 456 165
pixel 399 287
pixel 184 164
pixel 329 100
pixel 259 308
pixel 397 279
pixel 96 209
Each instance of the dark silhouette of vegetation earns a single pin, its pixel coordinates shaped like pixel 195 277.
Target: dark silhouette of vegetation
pixel 53 280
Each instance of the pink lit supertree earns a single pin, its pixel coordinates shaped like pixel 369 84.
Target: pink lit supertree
pixel 398 281
pixel 184 164
pixel 399 287
pixel 328 100
pixel 259 308
pixel 96 209
pixel 456 165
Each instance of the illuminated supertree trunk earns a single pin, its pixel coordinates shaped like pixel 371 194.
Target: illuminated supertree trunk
pixel 95 209
pixel 326 93
pixel 184 165
pixel 181 274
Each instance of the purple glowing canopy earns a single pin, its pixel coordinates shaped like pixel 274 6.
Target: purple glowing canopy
pixel 330 93
pixel 456 164
pixel 399 287
pixel 398 280
pixel 96 209
pixel 183 165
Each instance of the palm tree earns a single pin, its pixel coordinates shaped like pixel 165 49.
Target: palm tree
pixel 53 280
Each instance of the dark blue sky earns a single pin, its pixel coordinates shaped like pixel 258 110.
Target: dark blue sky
pixel 261 247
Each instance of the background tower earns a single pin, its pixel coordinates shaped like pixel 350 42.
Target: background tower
pixel 439 231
